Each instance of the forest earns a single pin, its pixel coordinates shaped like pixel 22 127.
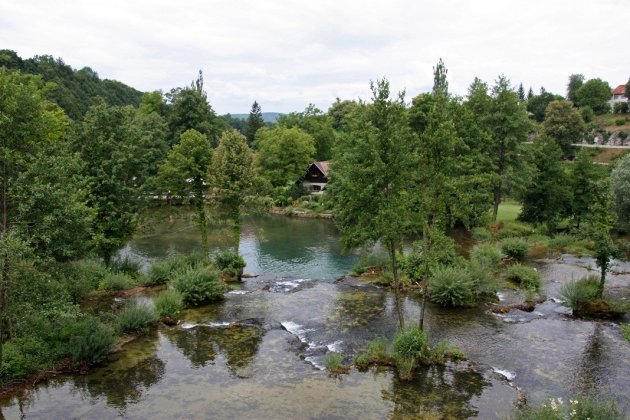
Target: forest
pixel 86 162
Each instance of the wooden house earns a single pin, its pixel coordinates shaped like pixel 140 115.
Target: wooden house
pixel 315 179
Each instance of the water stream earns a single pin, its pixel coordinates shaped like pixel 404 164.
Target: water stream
pixel 259 353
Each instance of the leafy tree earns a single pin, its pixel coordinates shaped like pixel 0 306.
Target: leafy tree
pixel 284 154
pixel 530 94
pixel 548 193
pixel 620 190
pixel 440 84
pixel 116 153
pixel 588 185
pixel 254 122
pixel 184 173
pixel 575 83
pixel 538 104
pixel 235 123
pixel 315 123
pixel 594 93
pixel 189 110
pixel 340 112
pixel 370 181
pixel 507 124
pixel 153 102
pixel 232 175
pixel 564 124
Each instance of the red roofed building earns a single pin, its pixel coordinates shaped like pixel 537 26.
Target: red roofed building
pixel 316 178
pixel 618 95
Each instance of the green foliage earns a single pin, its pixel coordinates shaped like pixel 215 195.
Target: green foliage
pixel 434 251
pixel 229 261
pixel 79 278
pixel 576 294
pixel 516 248
pixel 134 318
pixel 620 190
pixel 587 114
pixel 318 125
pixel 199 285
pixel 575 82
pixel 117 282
pixel 588 182
pixel 481 234
pixel 410 344
pixel 527 277
pixel 333 361
pixel 482 277
pixel 564 124
pixel 284 154
pixel 594 93
pixel 169 303
pixel 254 123
pixel 86 340
pixel 452 286
pixel 125 266
pixel 487 254
pixel 620 121
pixel 514 229
pixel 626 331
pixel 159 273
pixel 582 407
pixel 371 259
pixel 341 112
pixel 539 103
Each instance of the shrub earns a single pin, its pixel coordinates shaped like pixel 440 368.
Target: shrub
pixel 369 259
pixel 159 273
pixel 514 229
pixel 199 285
pixel 452 286
pixel 229 261
pixel 333 361
pixel 136 319
pixel 169 303
pixel 418 263
pixel 442 350
pixel 88 340
pixel 163 271
pixel 577 293
pixel 21 357
pixel 410 343
pixel 626 331
pixel 117 282
pixel 486 254
pixel 514 248
pixel 362 360
pixel 620 121
pixel 80 278
pixel 580 408
pixel 125 266
pixel 526 277
pixel 405 366
pixel 482 278
pixel 481 234
pixel 376 352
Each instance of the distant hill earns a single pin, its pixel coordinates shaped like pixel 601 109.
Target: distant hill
pixel 270 117
pixel 76 90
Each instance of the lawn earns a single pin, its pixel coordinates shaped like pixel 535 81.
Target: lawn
pixel 508 211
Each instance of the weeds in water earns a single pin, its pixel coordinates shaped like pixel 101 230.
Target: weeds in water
pixel 169 303
pixel 527 277
pixel 452 286
pixel 199 285
pixel 117 282
pixel 580 408
pixel 136 319
pixel 515 248
pixel 576 294
pixel 334 363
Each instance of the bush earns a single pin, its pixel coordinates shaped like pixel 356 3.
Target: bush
pixel 452 287
pixel 620 121
pixel 514 229
pixel 159 273
pixel 370 259
pixel 410 343
pixel 482 278
pixel 526 277
pixel 80 278
pixel 169 303
pixel 486 254
pixel 163 271
pixel 333 361
pixel 230 261
pixel 125 266
pixel 514 248
pixel 199 285
pixel 626 331
pixel 580 408
pixel 22 357
pixel 419 264
pixel 481 234
pixel 577 293
pixel 136 319
pixel 117 282
pixel 88 340
pixel 376 352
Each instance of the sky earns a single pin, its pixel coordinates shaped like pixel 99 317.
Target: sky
pixel 286 54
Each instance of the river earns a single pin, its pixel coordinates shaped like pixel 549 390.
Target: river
pixel 259 353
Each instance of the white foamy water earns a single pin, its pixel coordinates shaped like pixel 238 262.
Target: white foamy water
pixel 296 329
pixel 238 292
pixel 508 375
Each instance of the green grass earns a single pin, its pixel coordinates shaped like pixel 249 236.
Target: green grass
pixel 508 211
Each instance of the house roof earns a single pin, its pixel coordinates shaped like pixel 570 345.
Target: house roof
pixel 619 90
pixel 323 166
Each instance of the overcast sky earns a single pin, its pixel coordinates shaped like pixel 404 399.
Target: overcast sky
pixel 287 54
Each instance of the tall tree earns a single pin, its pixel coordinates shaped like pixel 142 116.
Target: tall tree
pixel 588 185
pixel 284 154
pixel 563 123
pixel 254 123
pixel 232 175
pixel 116 152
pixel 548 195
pixel 440 84
pixel 317 124
pixel 575 83
pixel 594 93
pixel 521 92
pixel 370 176
pixel 340 112
pixel 537 105
pixel 620 191
pixel 185 173
pixel 530 94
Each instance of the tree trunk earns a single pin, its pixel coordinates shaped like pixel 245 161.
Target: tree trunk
pixel 497 188
pixel 236 219
pixel 398 304
pixel 602 280
pixel 424 305
pixel 201 215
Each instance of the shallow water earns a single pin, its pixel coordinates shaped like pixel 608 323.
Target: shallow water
pixel 260 353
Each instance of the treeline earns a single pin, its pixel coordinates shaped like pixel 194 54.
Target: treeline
pixel 75 91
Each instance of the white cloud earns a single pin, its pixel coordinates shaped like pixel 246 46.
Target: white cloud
pixel 287 53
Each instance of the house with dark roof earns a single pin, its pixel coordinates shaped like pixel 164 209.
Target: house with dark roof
pixel 618 95
pixel 315 179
